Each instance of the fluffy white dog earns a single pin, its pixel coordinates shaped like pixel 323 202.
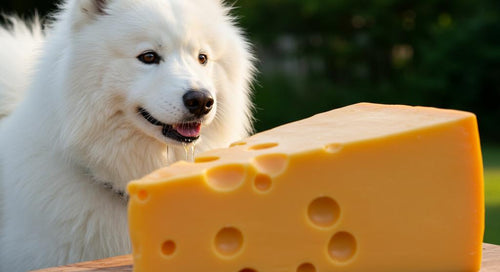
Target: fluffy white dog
pixel 111 91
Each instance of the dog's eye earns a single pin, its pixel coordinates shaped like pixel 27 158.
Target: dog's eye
pixel 149 57
pixel 202 59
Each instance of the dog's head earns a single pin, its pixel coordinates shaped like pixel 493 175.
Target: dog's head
pixel 174 70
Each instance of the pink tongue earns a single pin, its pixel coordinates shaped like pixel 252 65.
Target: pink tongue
pixel 188 130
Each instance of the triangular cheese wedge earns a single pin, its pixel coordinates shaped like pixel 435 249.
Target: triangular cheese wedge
pixel 366 187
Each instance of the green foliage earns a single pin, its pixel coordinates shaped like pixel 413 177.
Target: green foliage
pixel 320 54
pixel 492 195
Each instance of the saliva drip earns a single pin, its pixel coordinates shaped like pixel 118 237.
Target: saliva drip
pixel 193 145
pixel 167 154
pixel 189 151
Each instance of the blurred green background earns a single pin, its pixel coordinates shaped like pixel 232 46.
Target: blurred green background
pixel 316 55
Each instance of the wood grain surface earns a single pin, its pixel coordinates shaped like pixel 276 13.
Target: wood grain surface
pixel 491 263
pixel 119 263
pixel 491 258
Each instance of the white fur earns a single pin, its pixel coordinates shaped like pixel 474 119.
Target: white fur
pixel 77 123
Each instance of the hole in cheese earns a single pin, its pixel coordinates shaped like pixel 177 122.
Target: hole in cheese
pixel 272 164
pixel 226 177
pixel 237 144
pixel 323 212
pixel 206 159
pixel 306 267
pixel 263 182
pixel 247 270
pixel 342 247
pixel 333 148
pixel 263 146
pixel 228 241
pixel 142 195
pixel 168 248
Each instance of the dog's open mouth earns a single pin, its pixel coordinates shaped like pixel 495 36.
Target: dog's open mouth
pixel 183 132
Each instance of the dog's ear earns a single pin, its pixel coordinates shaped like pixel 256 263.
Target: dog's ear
pixel 83 12
pixel 93 7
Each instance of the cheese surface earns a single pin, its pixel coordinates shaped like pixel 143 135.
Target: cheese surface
pixel 366 187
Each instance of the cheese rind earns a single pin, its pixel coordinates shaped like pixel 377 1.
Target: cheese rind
pixel 363 188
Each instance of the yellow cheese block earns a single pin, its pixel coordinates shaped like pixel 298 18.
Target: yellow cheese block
pixel 366 187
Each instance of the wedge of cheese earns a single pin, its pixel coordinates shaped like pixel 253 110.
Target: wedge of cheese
pixel 366 187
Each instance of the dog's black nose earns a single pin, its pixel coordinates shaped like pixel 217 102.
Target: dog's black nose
pixel 198 102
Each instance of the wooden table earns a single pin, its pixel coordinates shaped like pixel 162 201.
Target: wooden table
pixel 491 263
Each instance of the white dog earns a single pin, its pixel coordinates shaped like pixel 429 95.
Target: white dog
pixel 111 91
